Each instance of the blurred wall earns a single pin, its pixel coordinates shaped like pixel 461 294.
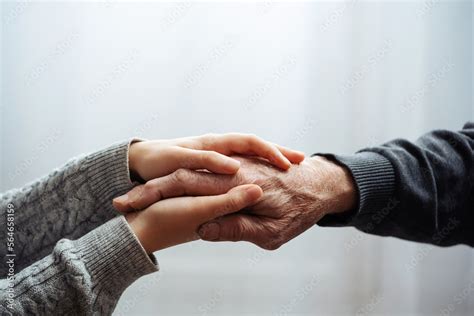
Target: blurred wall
pixel 317 76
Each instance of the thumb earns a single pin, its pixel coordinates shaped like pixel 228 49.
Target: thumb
pixel 136 199
pixel 234 227
pixel 238 198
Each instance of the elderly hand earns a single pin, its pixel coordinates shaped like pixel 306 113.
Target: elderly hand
pixel 293 200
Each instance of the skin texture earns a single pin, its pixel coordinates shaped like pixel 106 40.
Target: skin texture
pixel 293 200
pixel 165 223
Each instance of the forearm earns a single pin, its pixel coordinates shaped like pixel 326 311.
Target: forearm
pixel 419 191
pixel 67 203
pixel 85 276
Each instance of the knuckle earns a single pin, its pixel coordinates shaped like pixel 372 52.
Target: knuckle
pixel 136 196
pixel 273 237
pixel 272 245
pixel 149 186
pixel 209 157
pixel 252 138
pixel 138 193
pixel 180 176
pixel 270 152
pixel 209 135
pixel 207 140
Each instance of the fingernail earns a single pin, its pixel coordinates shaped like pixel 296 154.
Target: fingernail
pixel 209 231
pixel 121 199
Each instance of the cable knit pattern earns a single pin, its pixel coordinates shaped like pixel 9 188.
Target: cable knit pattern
pixel 58 269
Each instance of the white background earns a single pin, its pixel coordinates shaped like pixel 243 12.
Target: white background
pixel 320 77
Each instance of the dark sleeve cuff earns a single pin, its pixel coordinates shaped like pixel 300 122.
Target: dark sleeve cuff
pixel 375 180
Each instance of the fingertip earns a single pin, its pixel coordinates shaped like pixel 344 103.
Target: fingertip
pixel 223 165
pixel 286 164
pixel 232 165
pixel 281 161
pixel 254 192
pixel 120 205
pixel 294 156
pixel 299 156
pixel 249 193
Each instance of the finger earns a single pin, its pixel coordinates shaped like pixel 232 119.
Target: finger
pixel 205 159
pixel 211 207
pixel 294 156
pixel 179 183
pixel 122 203
pixel 238 227
pixel 206 208
pixel 245 144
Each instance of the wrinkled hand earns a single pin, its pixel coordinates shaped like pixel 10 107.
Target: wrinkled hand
pixel 293 201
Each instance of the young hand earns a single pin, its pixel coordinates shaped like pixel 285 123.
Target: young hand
pixel 153 159
pixel 175 221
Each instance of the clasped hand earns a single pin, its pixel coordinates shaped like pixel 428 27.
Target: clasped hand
pixel 197 188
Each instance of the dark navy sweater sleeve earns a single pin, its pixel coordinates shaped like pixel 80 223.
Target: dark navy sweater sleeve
pixel 420 191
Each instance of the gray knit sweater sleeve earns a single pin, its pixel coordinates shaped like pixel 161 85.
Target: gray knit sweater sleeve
pixel 65 249
pixel 421 191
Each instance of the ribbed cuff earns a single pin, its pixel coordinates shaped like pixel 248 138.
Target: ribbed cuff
pixel 375 179
pixel 108 173
pixel 114 257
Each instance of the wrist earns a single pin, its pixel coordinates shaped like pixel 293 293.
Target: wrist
pixel 342 195
pixel 135 152
pixel 139 230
